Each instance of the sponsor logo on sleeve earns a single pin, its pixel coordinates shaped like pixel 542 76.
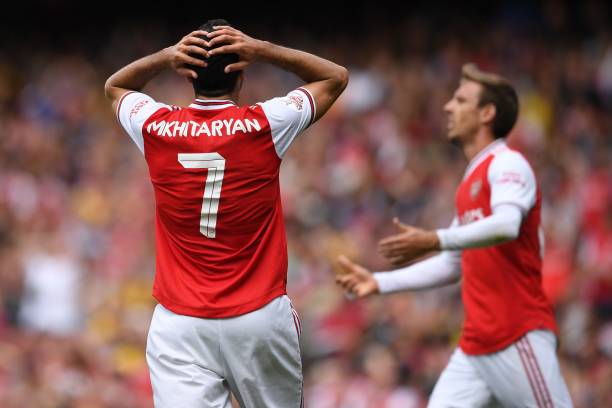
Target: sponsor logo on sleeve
pixel 295 102
pixel 511 177
pixel 138 107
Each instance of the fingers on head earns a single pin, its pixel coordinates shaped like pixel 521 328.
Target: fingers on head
pixel 236 67
pixel 220 32
pixel 188 73
pixel 196 41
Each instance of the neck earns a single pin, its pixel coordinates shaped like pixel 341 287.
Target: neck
pixel 482 139
pixel 230 97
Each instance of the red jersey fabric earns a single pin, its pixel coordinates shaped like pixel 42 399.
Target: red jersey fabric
pixel 502 284
pixel 220 236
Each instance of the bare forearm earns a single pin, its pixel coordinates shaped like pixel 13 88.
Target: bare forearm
pixel 136 75
pixel 308 67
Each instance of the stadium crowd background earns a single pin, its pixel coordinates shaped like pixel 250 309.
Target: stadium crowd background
pixel 76 207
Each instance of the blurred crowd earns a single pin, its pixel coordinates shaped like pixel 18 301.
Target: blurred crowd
pixel 76 212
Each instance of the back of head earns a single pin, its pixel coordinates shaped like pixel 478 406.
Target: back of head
pixel 498 91
pixel 212 80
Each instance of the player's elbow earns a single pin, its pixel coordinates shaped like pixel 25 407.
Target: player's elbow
pixel 513 232
pixel 507 224
pixel 508 232
pixel 108 89
pixel 340 78
pixel 455 275
pixel 111 90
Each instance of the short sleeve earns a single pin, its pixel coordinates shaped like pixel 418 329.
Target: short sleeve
pixel 133 109
pixel 512 181
pixel 288 116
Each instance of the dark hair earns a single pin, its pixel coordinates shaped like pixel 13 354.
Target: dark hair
pixel 212 80
pixel 498 91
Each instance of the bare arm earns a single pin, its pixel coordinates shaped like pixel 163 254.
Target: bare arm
pixel 325 79
pixel 134 76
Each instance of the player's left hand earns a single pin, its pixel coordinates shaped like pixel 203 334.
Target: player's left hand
pixel 355 279
pixel 408 244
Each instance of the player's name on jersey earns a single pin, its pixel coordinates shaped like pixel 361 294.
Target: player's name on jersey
pixel 225 127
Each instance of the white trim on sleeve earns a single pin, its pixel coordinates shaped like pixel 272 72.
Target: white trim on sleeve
pixel 313 107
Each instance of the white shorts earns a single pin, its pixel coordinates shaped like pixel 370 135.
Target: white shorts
pixel 525 374
pixel 195 362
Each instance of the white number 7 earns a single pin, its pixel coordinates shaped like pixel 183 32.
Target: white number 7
pixel 215 163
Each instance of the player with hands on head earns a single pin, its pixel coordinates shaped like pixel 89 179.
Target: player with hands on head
pixel 507 350
pixel 224 323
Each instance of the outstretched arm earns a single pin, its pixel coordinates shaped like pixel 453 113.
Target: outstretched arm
pixel 501 226
pixel 135 76
pixel 325 79
pixel 411 242
pixel 440 270
pixel 513 194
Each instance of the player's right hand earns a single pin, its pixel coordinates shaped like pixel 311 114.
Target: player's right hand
pixel 228 40
pixel 184 53
pixel 408 244
pixel 355 279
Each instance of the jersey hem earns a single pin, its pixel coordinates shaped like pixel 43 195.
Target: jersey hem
pixel 474 350
pixel 220 312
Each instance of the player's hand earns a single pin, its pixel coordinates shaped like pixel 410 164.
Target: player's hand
pixel 184 53
pixel 408 244
pixel 355 279
pixel 228 40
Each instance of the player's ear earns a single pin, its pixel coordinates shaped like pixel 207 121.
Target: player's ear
pixel 487 113
pixel 239 81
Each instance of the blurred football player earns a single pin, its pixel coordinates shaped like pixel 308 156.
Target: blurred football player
pixel 507 350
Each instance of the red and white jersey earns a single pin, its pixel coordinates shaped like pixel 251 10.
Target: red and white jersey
pixel 220 235
pixel 502 284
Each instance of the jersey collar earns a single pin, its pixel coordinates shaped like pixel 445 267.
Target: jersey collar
pixel 491 148
pixel 212 104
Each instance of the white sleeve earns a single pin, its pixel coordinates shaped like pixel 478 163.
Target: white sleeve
pixel 512 181
pixel 513 194
pixel 503 225
pixel 288 116
pixel 133 109
pixel 440 270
